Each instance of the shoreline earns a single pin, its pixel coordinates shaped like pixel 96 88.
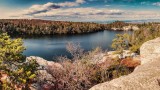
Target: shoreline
pixel 26 36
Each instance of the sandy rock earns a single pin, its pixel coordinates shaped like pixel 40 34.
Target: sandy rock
pixel 126 28
pixel 126 53
pixel 43 62
pixel 100 58
pixel 150 50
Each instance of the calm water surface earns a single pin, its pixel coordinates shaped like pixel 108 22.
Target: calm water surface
pixel 49 47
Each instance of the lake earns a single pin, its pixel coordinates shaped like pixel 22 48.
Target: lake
pixel 49 47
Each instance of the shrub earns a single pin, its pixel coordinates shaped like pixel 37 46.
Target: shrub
pixel 75 50
pixel 115 71
pixel 82 74
pixel 120 42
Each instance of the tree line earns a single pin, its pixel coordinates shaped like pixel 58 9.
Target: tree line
pixel 43 27
pixel 46 27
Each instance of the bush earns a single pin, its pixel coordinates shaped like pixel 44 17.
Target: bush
pixel 82 74
pixel 75 50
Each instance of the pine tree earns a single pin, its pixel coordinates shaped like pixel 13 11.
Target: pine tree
pixel 12 64
pixel 120 43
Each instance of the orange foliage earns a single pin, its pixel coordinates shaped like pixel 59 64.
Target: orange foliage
pixel 129 62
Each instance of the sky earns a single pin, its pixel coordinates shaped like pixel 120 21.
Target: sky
pixel 81 10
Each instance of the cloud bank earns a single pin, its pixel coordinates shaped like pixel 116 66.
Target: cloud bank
pixel 72 11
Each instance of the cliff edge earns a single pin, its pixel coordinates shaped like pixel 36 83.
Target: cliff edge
pixel 145 77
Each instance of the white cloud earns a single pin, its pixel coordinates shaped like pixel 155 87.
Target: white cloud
pixel 156 4
pixel 107 5
pixel 80 12
pixel 69 11
pixel 68 4
pixel 71 4
pixel 49 6
pixel 41 8
pixel 142 3
pixel 80 1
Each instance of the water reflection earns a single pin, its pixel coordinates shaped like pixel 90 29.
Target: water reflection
pixel 50 47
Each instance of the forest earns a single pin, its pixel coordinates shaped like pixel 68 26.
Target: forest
pixel 44 27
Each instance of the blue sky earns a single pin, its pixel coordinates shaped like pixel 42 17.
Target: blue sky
pixel 81 10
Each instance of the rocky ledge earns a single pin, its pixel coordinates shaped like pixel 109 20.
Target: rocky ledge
pixel 126 28
pixel 145 77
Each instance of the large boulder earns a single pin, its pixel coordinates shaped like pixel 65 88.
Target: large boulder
pixel 144 77
pixel 150 50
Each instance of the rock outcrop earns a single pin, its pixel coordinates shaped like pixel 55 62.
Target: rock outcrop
pixel 44 63
pixel 145 77
pixel 150 50
pixel 126 28
pixel 99 58
pixel 44 77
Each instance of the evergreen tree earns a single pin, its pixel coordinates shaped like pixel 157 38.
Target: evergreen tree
pixel 19 73
pixel 120 43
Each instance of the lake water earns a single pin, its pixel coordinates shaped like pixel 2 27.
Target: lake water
pixel 49 47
